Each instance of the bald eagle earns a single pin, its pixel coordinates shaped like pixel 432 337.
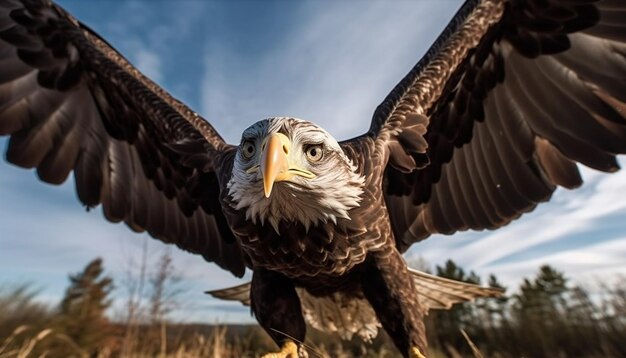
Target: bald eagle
pixel 511 96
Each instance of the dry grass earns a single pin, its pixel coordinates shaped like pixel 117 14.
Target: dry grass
pixel 591 327
pixel 22 343
pixel 26 343
pixel 216 345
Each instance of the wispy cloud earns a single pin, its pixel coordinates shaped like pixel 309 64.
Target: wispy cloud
pixel 334 64
pixel 601 262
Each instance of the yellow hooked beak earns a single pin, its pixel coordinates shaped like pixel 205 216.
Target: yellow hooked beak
pixel 275 163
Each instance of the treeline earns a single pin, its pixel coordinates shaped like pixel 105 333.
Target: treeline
pixel 546 316
pixel 80 325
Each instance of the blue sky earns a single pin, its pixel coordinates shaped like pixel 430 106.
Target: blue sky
pixel 236 62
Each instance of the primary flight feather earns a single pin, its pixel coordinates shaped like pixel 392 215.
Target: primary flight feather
pixel 497 114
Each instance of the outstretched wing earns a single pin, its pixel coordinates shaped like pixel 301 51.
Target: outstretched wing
pixel 70 102
pixel 497 114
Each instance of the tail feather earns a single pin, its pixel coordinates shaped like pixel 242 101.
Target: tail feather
pixel 441 293
pixel 239 293
pixel 347 316
pixel 435 292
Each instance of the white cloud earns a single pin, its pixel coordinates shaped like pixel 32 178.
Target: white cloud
pixel 602 262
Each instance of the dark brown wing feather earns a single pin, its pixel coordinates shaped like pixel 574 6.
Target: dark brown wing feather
pixel 514 94
pixel 69 101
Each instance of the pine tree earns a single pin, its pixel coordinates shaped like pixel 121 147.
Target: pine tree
pixel 539 311
pixel 545 295
pixel 448 323
pixel 82 310
pixel 493 326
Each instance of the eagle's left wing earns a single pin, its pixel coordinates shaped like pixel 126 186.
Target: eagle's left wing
pixel 497 114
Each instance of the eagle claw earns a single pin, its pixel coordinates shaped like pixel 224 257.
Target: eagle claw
pixel 415 353
pixel 289 350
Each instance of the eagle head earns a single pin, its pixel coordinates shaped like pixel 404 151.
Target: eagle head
pixel 288 169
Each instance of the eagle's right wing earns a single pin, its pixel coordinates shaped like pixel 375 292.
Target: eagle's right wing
pixel 71 103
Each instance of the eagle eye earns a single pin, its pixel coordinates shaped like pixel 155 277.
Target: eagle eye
pixel 315 152
pixel 248 149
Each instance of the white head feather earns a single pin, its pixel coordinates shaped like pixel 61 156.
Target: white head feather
pixel 335 189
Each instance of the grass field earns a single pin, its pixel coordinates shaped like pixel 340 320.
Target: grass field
pixel 545 317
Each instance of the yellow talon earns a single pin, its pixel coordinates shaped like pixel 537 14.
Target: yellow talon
pixel 415 353
pixel 289 350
